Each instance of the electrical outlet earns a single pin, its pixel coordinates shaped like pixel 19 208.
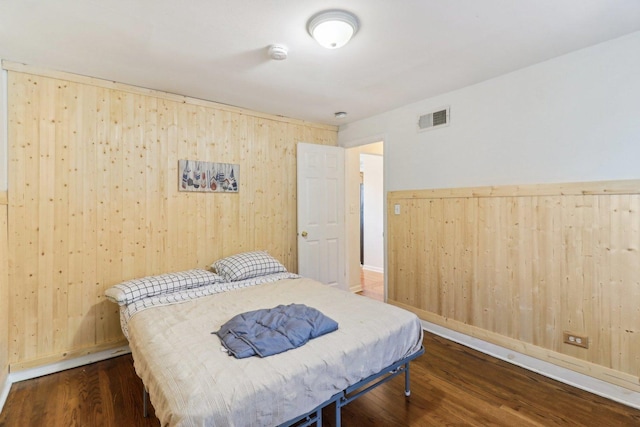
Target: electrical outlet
pixel 573 339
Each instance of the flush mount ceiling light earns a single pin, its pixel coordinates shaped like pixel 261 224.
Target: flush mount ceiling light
pixel 333 28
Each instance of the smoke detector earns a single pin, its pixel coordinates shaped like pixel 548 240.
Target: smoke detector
pixel 278 52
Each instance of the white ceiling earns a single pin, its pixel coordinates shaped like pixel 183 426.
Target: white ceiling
pixel 405 51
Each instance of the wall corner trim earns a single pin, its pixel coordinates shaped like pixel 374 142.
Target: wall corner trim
pixel 4 392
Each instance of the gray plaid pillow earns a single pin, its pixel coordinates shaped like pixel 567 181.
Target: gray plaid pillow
pixel 136 289
pixel 247 265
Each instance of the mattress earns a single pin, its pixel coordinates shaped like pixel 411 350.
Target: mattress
pixel 192 381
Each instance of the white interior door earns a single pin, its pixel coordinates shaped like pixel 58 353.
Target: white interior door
pixel 321 213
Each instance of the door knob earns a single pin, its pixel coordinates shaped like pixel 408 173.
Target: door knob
pixel 304 234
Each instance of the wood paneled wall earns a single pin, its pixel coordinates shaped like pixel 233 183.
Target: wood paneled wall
pixel 93 199
pixel 4 292
pixel 517 266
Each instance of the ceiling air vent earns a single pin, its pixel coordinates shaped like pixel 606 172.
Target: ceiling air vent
pixel 434 119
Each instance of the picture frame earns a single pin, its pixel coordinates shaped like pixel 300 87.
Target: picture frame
pixel 209 177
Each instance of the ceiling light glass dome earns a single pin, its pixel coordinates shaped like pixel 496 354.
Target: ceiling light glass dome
pixel 333 28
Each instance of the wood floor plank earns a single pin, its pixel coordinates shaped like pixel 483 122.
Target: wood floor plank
pixel 451 385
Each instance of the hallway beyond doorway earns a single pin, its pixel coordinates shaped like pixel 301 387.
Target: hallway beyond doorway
pixel 372 284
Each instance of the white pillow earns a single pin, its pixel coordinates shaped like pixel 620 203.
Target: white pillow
pixel 247 265
pixel 136 289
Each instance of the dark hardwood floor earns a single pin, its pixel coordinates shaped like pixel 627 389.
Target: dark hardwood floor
pixel 452 385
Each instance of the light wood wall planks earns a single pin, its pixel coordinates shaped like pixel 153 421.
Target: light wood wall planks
pixel 4 292
pixel 519 265
pixel 93 200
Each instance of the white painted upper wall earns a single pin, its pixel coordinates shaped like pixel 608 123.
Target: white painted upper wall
pixel 373 189
pixel 570 119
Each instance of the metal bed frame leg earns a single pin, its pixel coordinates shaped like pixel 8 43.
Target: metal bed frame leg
pixel 407 386
pixel 145 399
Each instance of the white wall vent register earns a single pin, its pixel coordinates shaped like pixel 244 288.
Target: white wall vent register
pixel 435 119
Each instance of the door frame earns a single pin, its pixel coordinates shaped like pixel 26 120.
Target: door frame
pixel 352 245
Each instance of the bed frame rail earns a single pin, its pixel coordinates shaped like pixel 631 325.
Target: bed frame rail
pixel 351 393
pixel 313 417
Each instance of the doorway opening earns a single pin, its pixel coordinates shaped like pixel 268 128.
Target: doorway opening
pixel 365 219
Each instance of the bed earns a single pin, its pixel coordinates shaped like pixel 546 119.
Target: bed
pixel 192 381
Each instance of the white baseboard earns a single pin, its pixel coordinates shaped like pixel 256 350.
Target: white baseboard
pixel 63 365
pixel 372 268
pixel 52 368
pixel 566 376
pixel 558 373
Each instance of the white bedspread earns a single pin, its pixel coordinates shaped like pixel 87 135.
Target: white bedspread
pixel 191 382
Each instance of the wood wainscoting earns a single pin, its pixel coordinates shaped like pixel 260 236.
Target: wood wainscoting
pixel 519 265
pixel 93 199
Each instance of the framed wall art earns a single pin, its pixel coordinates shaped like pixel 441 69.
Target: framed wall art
pixel 208 177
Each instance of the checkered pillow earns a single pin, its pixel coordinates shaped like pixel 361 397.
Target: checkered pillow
pixel 247 265
pixel 136 289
